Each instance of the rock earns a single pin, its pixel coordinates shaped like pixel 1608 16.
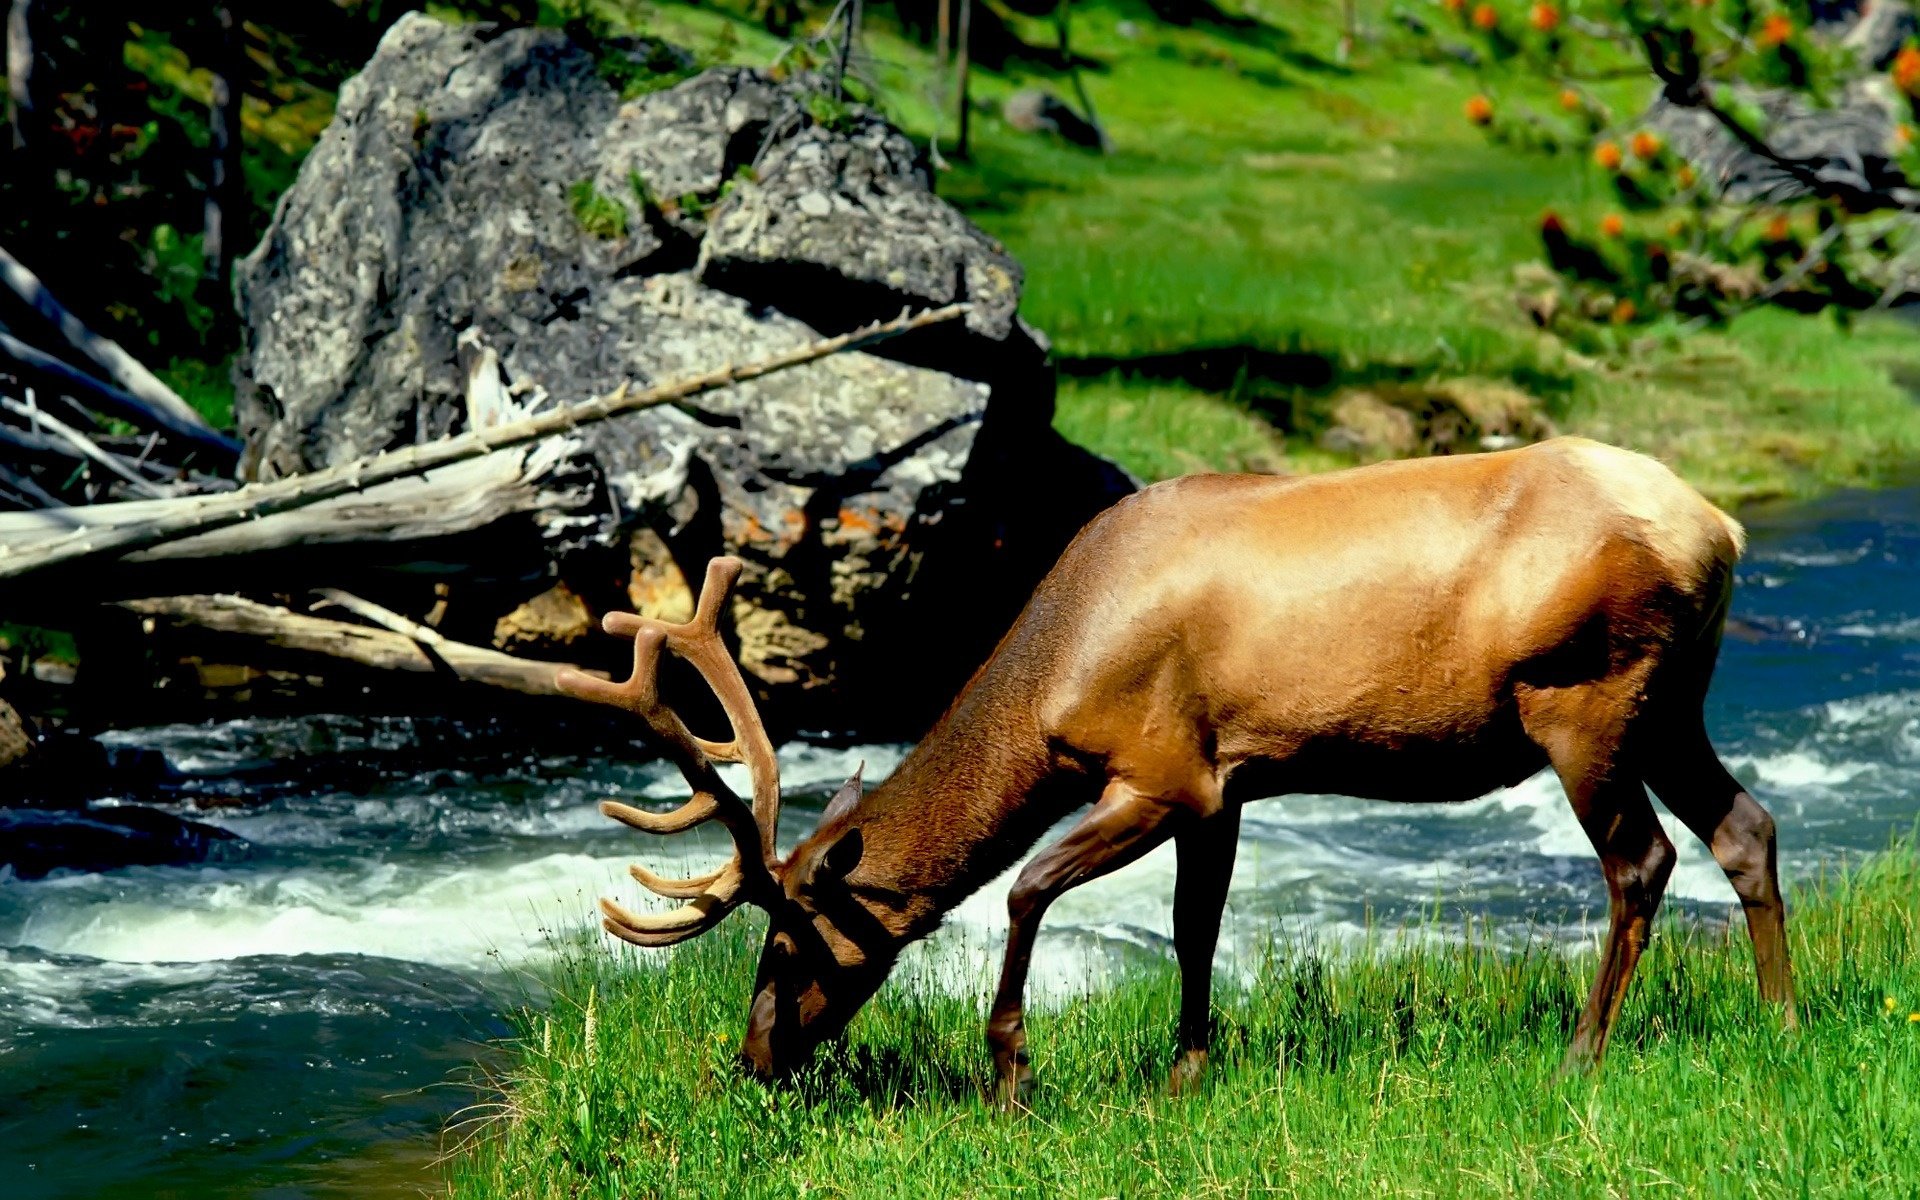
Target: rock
pixel 1369 427
pixel 548 623
pixel 16 736
pixel 1036 110
pixel 36 842
pixel 487 190
pixel 1449 417
pixel 1849 143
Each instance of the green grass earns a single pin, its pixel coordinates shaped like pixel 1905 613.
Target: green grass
pixel 1261 197
pixel 1425 1068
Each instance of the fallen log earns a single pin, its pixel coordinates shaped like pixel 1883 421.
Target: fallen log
pixel 381 649
pixel 126 371
pixel 449 500
pixel 91 540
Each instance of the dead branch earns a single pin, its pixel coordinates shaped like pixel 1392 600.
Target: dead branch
pixel 149 397
pixel 89 540
pixel 380 649
pixel 83 445
pixel 439 503
pixel 110 399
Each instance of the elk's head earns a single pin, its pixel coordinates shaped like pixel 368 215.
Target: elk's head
pixel 826 951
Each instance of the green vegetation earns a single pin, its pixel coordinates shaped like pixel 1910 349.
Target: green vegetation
pixel 1273 231
pixel 1423 1068
pixel 598 214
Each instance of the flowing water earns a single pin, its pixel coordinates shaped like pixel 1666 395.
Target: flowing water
pixel 288 1025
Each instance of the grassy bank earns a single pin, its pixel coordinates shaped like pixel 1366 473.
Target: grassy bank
pixel 1424 1070
pixel 1275 229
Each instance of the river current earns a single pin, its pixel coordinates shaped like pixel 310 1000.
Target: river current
pixel 294 1024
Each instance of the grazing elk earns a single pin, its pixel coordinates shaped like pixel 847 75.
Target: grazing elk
pixel 1418 631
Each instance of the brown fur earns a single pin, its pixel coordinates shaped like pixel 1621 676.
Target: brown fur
pixel 1417 631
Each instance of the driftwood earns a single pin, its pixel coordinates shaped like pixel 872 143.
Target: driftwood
pixel 137 395
pixel 451 500
pixel 381 649
pixel 88 538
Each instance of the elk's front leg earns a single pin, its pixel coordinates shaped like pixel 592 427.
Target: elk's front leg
pixel 1206 850
pixel 1120 828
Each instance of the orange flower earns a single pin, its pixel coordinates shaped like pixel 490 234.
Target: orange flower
pixel 1480 110
pixel 1903 135
pixel 1607 154
pixel 1456 7
pixel 1570 100
pixel 1645 145
pixel 1485 16
pixel 1613 225
pixel 1624 311
pixel 1906 69
pixel 1774 31
pixel 1779 229
pixel 1685 175
pixel 1545 18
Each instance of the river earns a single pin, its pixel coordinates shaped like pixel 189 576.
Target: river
pixel 295 1024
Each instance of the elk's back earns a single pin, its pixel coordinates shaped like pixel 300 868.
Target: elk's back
pixel 1393 607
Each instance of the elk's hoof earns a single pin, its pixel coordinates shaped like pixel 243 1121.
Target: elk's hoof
pixel 1189 1070
pixel 1014 1091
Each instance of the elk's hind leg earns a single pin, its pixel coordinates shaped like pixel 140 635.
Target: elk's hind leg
pixel 1206 851
pixel 1583 730
pixel 1691 780
pixel 1125 824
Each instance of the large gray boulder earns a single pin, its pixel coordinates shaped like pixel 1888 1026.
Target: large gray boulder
pixel 485 187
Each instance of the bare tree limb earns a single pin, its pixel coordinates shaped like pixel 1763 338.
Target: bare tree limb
pixel 441 503
pixel 226 192
pixel 21 61
pixel 381 649
pixel 84 446
pixel 136 395
pixel 202 514
pixel 385 618
pixel 108 398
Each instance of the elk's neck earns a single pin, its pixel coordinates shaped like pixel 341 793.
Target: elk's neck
pixel 969 800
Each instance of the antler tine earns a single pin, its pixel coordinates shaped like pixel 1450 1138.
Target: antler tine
pixel 699 642
pixel 663 929
pixel 712 895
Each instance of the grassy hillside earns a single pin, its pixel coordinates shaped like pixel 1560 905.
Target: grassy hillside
pixel 1425 1070
pixel 1274 228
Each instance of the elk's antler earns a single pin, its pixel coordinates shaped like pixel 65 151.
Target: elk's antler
pixel 749 875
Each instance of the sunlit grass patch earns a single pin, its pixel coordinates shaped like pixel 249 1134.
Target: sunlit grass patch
pixel 1423 1068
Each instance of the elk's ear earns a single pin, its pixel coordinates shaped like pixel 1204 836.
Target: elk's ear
pixel 842 857
pixel 846 797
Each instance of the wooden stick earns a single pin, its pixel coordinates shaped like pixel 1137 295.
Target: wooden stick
pixel 963 48
pixel 120 367
pixel 84 445
pixel 378 648
pixel 27 488
pixel 20 64
pixel 386 618
pixel 116 401
pixel 201 514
